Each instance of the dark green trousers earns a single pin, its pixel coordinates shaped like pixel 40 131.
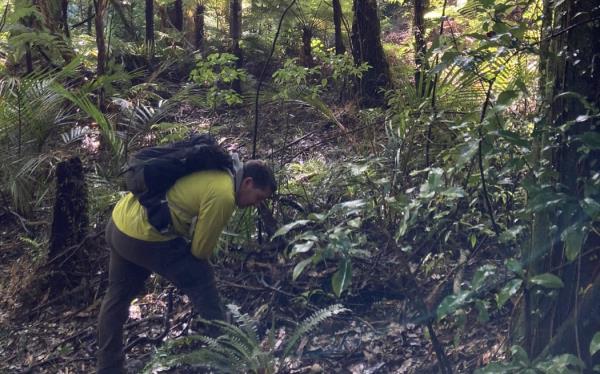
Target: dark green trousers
pixel 131 262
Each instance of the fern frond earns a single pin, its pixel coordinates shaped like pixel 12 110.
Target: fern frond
pixel 311 323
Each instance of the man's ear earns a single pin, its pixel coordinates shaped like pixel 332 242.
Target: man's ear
pixel 248 182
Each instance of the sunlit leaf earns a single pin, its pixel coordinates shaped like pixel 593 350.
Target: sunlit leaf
pixel 547 280
pixel 299 268
pixel 509 290
pixel 290 226
pixel 573 238
pixel 595 344
pixel 591 207
pixel 302 247
pixel 342 277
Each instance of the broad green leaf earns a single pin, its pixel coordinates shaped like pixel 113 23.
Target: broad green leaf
pixel 473 240
pixel 299 268
pixel 342 277
pixel 302 248
pixel 290 226
pixel 563 364
pixel 506 97
pixel 514 265
pixel 573 238
pixel 509 290
pixel 452 302
pixel 467 152
pixel 354 204
pixel 482 274
pixel 519 355
pixel 513 138
pixel 454 192
pixel 595 344
pixel 547 280
pixel 320 217
pixel 483 315
pixel 591 207
pixel 355 223
pixel 433 184
pixel 591 139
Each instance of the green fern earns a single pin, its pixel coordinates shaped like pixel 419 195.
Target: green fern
pixel 311 323
pixel 238 349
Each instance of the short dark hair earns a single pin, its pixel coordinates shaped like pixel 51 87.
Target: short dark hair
pixel 261 174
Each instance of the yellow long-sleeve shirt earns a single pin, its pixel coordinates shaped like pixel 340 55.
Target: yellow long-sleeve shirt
pixel 201 203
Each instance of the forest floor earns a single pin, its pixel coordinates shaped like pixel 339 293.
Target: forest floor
pixel 56 334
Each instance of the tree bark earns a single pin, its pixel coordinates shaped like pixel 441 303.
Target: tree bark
pixel 65 17
pixel 235 32
pixel 69 223
pixel 366 41
pixel 420 46
pixel 337 25
pixel 571 66
pixel 177 15
pixel 199 28
pixel 149 39
pixel 306 53
pixel 100 7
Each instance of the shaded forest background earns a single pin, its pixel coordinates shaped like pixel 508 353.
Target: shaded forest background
pixel 437 165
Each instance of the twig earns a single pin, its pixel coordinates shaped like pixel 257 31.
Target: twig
pixel 3 20
pixel 72 249
pixel 84 21
pixel 480 159
pixel 261 78
pixel 166 327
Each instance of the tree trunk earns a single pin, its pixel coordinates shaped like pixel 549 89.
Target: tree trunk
pixel 337 24
pixel 90 12
pixel 149 11
pixel 420 46
pixel 100 7
pixel 54 15
pixel 199 28
pixel 306 53
pixel 235 32
pixel 571 66
pixel 65 18
pixel 70 221
pixel 366 41
pixel 69 224
pixel 177 15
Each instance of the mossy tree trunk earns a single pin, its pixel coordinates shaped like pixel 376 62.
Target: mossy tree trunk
pixel 367 47
pixel 568 167
pixel 69 223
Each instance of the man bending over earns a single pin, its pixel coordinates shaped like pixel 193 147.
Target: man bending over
pixel 200 204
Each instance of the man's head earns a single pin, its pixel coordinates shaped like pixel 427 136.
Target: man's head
pixel 258 183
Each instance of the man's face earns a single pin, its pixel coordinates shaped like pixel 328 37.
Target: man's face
pixel 250 195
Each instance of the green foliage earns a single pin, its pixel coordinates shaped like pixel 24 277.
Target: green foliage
pixel 238 349
pixel 216 73
pixel 30 113
pixel 334 235
pixel 520 363
pixel 294 81
pixel 293 78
